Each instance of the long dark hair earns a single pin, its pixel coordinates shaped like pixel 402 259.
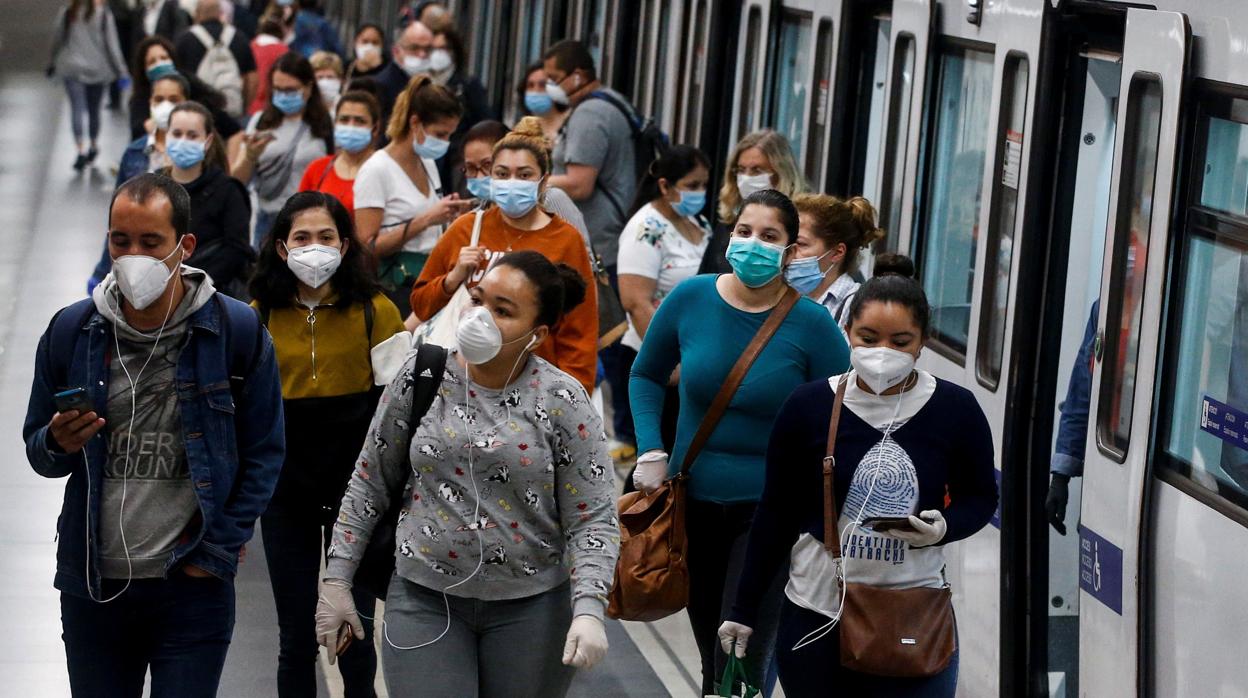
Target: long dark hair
pixel 678 161
pixel 315 115
pixel 273 285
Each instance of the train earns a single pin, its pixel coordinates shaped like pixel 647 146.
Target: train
pixel 1033 157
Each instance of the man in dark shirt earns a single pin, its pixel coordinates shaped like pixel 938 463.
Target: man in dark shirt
pixel 411 56
pixel 191 51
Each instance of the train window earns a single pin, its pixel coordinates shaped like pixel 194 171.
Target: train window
pixel 696 70
pixel 954 150
pixel 902 91
pixel 999 260
pixel 870 118
pixel 643 76
pixel 754 24
pixel 1225 185
pixel 1129 256
pixel 658 86
pixel 821 103
pixel 789 89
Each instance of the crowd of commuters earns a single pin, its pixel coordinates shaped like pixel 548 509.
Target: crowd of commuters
pixel 352 197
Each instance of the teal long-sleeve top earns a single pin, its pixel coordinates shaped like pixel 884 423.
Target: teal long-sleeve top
pixel 698 330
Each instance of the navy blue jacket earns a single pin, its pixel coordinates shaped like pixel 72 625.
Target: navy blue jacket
pixel 234 447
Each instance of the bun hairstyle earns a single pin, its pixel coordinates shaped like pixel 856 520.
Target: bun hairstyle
pixel 837 221
pixel 528 135
pixel 894 282
pixel 424 99
pixel 783 207
pixel 560 288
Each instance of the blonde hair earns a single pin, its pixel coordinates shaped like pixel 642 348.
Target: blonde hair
pixel 789 180
pixel 424 99
pixel 528 135
pixel 836 221
pixel 324 60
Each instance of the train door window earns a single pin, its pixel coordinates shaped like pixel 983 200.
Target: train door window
pixel 790 88
pixel 658 86
pixel 749 65
pixel 902 92
pixel 695 71
pixel 870 117
pixel 646 65
pixel 821 103
pixel 954 151
pixel 1204 437
pixel 1129 258
pixel 999 259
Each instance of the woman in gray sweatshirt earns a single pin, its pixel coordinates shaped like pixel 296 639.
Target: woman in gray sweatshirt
pixel 507 536
pixel 86 54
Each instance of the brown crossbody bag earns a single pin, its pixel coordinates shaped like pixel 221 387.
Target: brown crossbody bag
pixel 652 575
pixel 886 632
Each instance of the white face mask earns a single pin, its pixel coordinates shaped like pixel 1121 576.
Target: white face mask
pixel 142 279
pixel 313 264
pixel 161 112
pixel 440 60
pixel 366 50
pixel 414 65
pixel 478 337
pixel 747 184
pixel 329 87
pixel 881 367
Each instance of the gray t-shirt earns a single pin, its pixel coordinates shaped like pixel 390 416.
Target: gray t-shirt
pixel 308 148
pixel 598 135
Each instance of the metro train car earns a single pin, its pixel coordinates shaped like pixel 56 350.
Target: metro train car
pixel 1034 157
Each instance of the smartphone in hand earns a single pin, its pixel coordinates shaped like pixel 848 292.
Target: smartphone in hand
pixel 884 524
pixel 73 399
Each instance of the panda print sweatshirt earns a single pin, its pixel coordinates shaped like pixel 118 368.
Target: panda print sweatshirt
pixel 506 492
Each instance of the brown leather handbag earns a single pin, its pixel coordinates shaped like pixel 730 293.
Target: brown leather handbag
pixel 886 632
pixel 652 575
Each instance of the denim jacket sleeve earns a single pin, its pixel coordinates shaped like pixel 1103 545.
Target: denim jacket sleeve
pixel 46 460
pixel 260 433
pixel 1072 429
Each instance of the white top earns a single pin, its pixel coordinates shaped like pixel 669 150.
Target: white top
pixel 651 246
pixel 382 183
pixel 308 149
pixel 885 484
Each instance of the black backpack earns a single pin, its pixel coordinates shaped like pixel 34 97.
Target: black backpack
pixel 377 563
pixel 649 142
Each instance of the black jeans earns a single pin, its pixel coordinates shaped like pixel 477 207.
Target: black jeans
pixel 178 627
pixel 717 536
pixel 617 363
pixel 292 532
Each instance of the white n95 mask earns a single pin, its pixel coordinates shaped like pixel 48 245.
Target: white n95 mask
pixel 313 264
pixel 142 279
pixel 881 367
pixel 479 338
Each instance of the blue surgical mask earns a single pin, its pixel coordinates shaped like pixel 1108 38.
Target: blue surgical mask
pixel 184 153
pixel 479 187
pixel 515 197
pixel 756 263
pixel 538 103
pixel 691 203
pixel 288 102
pixel 433 147
pixel 804 274
pixel 160 70
pixel 352 139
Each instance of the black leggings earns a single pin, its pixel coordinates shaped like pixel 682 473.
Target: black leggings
pixel 717 539
pixel 292 532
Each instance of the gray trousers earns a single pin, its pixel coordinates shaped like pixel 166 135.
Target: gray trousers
pixel 493 648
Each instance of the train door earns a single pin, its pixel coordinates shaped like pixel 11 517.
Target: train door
pixel 695 44
pixel 751 66
pixel 1198 514
pixel 661 36
pixel 1115 478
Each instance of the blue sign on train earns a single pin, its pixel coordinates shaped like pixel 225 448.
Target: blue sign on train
pixel 1100 569
pixel 1224 422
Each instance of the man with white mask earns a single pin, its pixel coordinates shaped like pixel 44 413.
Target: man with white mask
pixel 412 54
pixel 159 398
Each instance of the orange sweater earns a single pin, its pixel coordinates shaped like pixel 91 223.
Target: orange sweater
pixel 573 343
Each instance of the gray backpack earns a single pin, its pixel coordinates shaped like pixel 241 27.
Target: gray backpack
pixel 219 68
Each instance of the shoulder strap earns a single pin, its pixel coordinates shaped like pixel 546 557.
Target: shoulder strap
pixel 62 336
pixel 628 113
pixel 831 537
pixel 264 312
pixel 430 363
pixel 242 340
pixel 720 404
pixel 476 228
pixel 227 35
pixel 198 31
pixel 369 312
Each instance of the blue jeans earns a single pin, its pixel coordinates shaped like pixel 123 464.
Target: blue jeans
pixel 815 670
pixel 84 107
pixel 178 627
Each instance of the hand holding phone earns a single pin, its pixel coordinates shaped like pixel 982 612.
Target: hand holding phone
pixel 888 524
pixel 74 399
pixel 75 421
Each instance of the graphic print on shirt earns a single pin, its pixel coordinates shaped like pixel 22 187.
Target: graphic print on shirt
pixel 886 473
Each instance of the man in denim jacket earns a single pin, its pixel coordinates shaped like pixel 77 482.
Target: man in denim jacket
pixel 168 468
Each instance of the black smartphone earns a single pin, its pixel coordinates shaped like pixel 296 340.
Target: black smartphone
pixel 884 524
pixel 73 399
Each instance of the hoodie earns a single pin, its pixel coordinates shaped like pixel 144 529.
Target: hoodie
pixel 147 503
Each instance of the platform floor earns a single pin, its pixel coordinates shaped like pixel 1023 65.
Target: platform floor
pixel 52 223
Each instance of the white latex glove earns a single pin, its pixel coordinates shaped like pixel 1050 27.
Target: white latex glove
pixel 336 617
pixel 587 642
pixel 730 633
pixel 929 529
pixel 651 471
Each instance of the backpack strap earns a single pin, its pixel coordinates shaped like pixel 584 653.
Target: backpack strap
pixel 427 374
pixel 242 340
pixel 198 31
pixel 63 336
pixel 369 313
pixel 633 126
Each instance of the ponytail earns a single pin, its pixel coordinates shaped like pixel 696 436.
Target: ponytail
pixel 425 100
pixel 836 222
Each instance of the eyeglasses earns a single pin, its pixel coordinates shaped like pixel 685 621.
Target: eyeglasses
pixel 471 171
